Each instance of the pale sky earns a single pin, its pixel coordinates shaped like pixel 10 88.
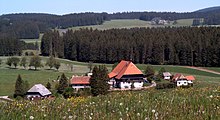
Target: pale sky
pixel 77 6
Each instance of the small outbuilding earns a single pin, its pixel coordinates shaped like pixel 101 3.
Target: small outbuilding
pixel 182 80
pixel 80 82
pixel 38 91
pixel 167 76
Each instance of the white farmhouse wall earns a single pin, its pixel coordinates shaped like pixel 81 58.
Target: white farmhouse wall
pixel 81 86
pixel 30 96
pixel 125 85
pixel 182 83
pixel 128 84
pixel 138 84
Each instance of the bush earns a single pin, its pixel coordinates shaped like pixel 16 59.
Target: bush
pixel 68 92
pixel 165 85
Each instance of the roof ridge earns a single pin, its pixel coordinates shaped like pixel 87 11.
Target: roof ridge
pixel 124 67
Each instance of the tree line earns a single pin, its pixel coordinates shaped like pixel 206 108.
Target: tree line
pixel 34 61
pixel 29 25
pixel 198 46
pixel 10 45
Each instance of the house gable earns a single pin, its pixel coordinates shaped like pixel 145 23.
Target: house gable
pixel 39 88
pixel 124 68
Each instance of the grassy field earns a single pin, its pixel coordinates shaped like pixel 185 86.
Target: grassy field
pixel 43 75
pixel 199 102
pixel 119 24
pixel 131 23
pixel 217 69
pixel 172 104
pixel 184 22
pixel 33 40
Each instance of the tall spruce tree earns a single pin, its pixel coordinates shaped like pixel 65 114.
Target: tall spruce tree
pixel 19 87
pixel 161 71
pixel 63 83
pixel 99 81
pixel 94 82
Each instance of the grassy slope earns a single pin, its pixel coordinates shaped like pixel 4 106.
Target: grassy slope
pixel 33 40
pixel 9 76
pixel 184 22
pixel 217 69
pixel 120 23
pixel 172 104
pixel 131 23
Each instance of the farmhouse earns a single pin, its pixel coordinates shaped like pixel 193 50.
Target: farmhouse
pixel 167 76
pixel 181 80
pixel 38 91
pixel 126 75
pixel 80 82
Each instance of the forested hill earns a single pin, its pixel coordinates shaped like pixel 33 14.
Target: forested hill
pixel 29 25
pixel 210 9
pixel 197 46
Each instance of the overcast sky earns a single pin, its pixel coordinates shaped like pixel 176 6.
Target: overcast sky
pixel 76 6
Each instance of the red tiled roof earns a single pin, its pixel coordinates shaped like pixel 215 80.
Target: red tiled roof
pixel 124 68
pixel 80 80
pixel 190 77
pixel 177 76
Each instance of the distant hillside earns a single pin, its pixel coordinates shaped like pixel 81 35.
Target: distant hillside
pixel 210 9
pixel 30 25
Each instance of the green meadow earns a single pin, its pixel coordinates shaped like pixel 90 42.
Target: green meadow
pixel 44 74
pixel 131 23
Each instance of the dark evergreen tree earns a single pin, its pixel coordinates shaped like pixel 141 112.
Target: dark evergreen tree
pixel 161 71
pixel 63 83
pixel 99 81
pixel 19 87
pixel 94 82
pixel 48 86
pixel 149 71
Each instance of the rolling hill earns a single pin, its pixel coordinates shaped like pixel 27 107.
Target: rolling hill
pixel 210 9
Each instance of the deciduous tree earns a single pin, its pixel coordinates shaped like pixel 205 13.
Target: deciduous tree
pixel 35 61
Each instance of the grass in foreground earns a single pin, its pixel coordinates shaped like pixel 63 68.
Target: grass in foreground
pixel 181 104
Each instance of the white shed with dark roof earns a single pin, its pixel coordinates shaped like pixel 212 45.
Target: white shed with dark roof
pixel 38 91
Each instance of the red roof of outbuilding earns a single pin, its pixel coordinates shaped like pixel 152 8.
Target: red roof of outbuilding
pixel 80 80
pixel 124 68
pixel 190 77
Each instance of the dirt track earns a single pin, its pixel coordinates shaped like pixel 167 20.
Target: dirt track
pixel 203 69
